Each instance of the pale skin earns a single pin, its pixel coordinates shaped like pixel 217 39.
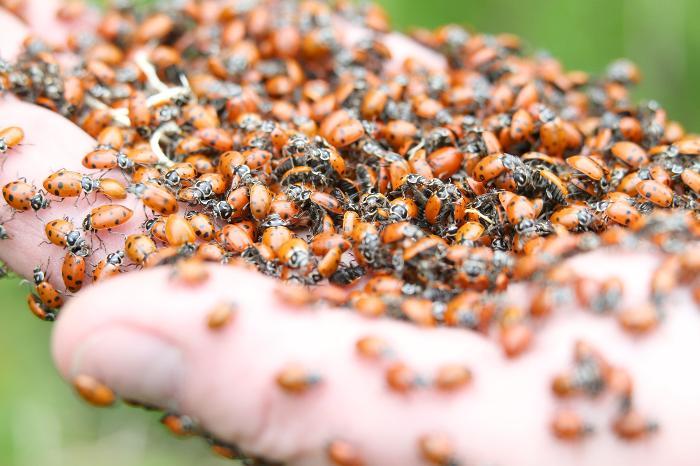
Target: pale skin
pixel 145 336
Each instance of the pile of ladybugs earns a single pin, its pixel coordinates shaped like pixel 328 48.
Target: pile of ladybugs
pixel 253 135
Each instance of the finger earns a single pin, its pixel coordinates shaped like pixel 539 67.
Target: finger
pixel 225 379
pixel 51 143
pixel 55 20
pixel 12 35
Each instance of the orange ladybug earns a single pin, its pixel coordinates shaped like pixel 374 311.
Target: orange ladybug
pixel 94 392
pixel 656 192
pixel 568 425
pixel 138 247
pixel 73 271
pixel 109 266
pixel 10 137
pixel 22 196
pixel 295 379
pixel 342 453
pixel 179 231
pixel 437 449
pixel 64 183
pixel 39 309
pixel 107 217
pixel 48 295
pixel 155 197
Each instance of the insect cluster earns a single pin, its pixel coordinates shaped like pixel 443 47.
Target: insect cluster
pixel 256 134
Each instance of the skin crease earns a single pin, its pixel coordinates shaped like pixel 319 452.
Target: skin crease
pixel 226 379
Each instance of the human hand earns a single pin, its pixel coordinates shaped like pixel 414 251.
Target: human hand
pixel 226 378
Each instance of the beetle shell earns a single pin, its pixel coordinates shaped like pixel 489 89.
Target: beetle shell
pixel 73 272
pixel 18 195
pixel 107 217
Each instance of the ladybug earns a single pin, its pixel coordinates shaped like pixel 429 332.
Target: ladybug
pixel 631 425
pixel 573 218
pixel 521 126
pixel 62 233
pixel 190 272
pixel 109 266
pixel 202 224
pixel 518 209
pixel 139 112
pixel 445 162
pixel 106 159
pixel 400 378
pixel 139 247
pixel 327 202
pixel 216 138
pixel 111 188
pixel 155 197
pixel 94 392
pixel 178 425
pixel 630 153
pixel 515 339
pixel 260 200
pixel 346 133
pixel 656 192
pixel 342 453
pixel 586 165
pixel 324 242
pixel 66 183
pixel 39 309
pixel 179 231
pixel 398 133
pixel 623 213
pixel 373 103
pixel 18 195
pixel 10 137
pixel 235 239
pixel 49 297
pixel 296 380
pixel 107 217
pixel 215 181
pixel 73 271
pixel 372 347
pixel 639 320
pixel 437 449
pixel 568 425
pixel 489 167
pixel 294 253
pixel 451 377
pixel 328 265
pixel 221 315
pixel 553 137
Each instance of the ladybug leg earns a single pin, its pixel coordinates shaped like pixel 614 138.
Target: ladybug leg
pixel 38 217
pixel 100 241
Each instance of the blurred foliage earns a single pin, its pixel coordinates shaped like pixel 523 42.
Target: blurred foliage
pixel 43 423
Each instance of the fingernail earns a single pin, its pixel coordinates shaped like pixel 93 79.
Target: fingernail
pixel 136 365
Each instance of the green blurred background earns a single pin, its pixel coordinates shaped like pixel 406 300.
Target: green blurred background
pixel 41 421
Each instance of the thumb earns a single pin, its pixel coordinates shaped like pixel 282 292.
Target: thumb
pixel 156 347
